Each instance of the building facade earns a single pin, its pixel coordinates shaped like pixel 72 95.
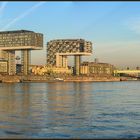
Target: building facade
pixel 58 50
pixel 93 68
pixel 3 66
pixel 22 40
pixel 47 70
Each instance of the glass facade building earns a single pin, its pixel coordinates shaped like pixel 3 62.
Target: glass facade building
pixel 23 40
pixel 20 39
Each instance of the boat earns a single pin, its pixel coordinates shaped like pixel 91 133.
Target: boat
pixel 59 79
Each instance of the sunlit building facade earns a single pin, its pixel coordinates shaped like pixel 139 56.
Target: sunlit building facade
pixel 93 68
pixel 3 66
pixel 58 50
pixel 22 40
pixel 48 70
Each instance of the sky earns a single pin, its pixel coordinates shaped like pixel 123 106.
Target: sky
pixel 112 27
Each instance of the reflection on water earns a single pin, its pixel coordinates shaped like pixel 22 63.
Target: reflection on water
pixel 70 110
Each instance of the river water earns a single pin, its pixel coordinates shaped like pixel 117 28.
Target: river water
pixel 70 110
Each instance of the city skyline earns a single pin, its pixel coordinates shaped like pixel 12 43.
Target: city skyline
pixel 112 27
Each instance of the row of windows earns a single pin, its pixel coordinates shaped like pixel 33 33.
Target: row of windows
pixel 28 35
pixel 17 34
pixel 14 45
pixel 14 38
pixel 14 41
pixel 22 43
pixel 3 67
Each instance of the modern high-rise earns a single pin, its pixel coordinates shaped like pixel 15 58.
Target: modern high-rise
pixel 58 50
pixel 22 40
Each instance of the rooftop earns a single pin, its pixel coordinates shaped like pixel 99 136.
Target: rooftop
pixel 15 31
pixel 68 40
pixel 85 62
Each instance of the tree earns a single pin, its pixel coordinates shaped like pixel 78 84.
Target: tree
pixel 127 68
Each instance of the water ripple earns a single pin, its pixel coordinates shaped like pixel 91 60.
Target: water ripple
pixel 70 110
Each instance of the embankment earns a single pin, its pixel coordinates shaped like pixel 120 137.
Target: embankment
pixel 31 78
pixel 91 79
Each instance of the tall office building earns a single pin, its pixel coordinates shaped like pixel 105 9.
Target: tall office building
pixel 22 40
pixel 58 50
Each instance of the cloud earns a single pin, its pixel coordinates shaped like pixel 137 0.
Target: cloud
pixel 23 15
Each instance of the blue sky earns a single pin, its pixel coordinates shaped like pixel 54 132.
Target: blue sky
pixel 113 27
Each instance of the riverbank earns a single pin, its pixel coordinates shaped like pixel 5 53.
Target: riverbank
pixel 91 79
pixel 44 79
pixel 32 78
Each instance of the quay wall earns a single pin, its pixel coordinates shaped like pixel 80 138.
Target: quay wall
pixel 33 78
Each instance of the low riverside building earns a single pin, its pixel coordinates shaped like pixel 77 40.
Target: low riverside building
pixel 94 68
pixel 48 70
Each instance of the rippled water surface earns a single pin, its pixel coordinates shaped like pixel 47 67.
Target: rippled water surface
pixel 70 110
